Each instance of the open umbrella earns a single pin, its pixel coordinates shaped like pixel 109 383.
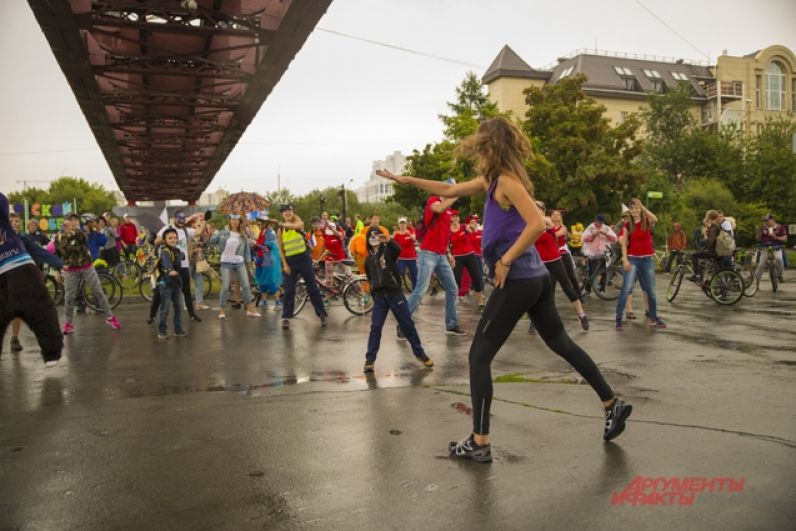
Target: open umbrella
pixel 243 203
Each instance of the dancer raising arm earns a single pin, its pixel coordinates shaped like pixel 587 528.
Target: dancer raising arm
pixel 511 225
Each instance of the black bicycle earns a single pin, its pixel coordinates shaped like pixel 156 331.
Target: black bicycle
pixel 605 279
pixel 725 286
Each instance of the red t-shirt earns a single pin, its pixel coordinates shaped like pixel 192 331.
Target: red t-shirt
pixel 460 242
pixel 475 240
pixel 335 247
pixel 438 233
pixel 547 246
pixel 639 243
pixel 406 244
pixel 128 232
pixel 561 241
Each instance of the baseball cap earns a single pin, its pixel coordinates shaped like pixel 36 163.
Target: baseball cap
pixel 180 215
pixel 600 218
pixel 768 217
pixel 454 212
pixel 286 206
pixel 401 220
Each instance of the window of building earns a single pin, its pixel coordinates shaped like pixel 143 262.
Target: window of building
pixel 623 71
pixel 775 88
pixel 631 84
pixel 658 85
pixel 652 74
pixel 679 76
pixel 566 72
pixel 622 117
pixel 793 96
pixel 758 88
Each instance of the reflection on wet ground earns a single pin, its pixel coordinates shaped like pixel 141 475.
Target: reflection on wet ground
pixel 244 425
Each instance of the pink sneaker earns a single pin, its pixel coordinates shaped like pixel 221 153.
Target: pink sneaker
pixel 68 329
pixel 113 322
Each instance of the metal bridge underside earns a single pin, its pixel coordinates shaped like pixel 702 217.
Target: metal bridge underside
pixel 168 90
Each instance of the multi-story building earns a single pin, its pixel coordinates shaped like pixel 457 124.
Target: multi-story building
pixel 742 90
pixel 377 189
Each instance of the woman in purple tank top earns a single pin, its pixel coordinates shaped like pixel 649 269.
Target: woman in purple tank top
pixel 512 223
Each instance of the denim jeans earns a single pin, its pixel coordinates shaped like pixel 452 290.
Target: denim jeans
pixel 227 270
pixel 428 263
pixel 300 266
pixel 644 270
pixel 170 295
pixel 411 265
pixel 383 304
pixel 198 285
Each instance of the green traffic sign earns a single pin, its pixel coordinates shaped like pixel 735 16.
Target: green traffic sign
pixel 654 195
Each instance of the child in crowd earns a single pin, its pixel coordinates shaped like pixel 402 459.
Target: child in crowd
pixel 382 272
pixel 170 283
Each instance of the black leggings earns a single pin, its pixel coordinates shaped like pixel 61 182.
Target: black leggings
pixel 558 272
pixel 470 262
pixel 503 309
pixel 23 295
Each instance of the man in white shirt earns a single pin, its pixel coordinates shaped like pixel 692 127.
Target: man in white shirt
pixel 184 238
pixel 597 240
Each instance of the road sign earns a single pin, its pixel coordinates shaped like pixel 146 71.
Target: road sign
pixel 654 195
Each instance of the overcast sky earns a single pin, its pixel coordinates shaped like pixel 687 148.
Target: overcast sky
pixel 344 103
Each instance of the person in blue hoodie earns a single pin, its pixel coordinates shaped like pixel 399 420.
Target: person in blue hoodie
pixel 23 294
pixel 96 240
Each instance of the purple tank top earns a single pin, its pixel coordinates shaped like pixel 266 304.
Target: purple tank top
pixel 502 227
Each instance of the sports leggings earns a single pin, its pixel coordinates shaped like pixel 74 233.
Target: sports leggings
pixel 503 309
pixel 470 262
pixel 558 272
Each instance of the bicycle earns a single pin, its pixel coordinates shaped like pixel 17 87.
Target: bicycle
pixel 742 261
pixel 724 286
pixel 770 265
pixel 606 278
pixel 127 272
pixel 352 289
pixel 109 285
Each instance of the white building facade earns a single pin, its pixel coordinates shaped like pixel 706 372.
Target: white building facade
pixel 378 189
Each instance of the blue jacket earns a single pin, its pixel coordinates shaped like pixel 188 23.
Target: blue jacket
pixel 220 239
pixel 39 254
pixel 96 240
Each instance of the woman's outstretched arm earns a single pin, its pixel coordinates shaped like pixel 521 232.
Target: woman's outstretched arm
pixel 473 187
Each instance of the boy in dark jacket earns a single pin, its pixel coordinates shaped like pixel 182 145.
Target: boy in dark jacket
pixel 170 283
pixel 385 284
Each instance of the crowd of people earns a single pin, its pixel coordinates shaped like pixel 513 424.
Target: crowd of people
pixel 523 249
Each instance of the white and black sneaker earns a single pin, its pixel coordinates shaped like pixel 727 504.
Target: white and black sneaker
pixel 468 449
pixel 399 334
pixel 455 331
pixel 615 416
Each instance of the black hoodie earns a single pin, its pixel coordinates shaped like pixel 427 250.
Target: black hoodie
pixel 380 267
pixel 12 252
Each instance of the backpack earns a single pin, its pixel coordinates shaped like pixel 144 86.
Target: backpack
pixel 725 243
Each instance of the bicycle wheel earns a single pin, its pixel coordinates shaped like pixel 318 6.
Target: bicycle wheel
pixel 750 284
pixel 407 281
pixel 357 297
pixel 607 283
pixel 300 297
pixel 772 273
pixel 55 289
pixel 128 273
pixel 111 288
pixel 675 282
pixel 726 287
pixel 147 288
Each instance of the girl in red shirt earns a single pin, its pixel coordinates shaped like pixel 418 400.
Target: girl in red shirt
pixel 407 260
pixel 566 256
pixel 548 249
pixel 464 255
pixel 635 236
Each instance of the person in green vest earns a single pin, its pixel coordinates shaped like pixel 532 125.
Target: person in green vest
pixel 296 262
pixel 360 224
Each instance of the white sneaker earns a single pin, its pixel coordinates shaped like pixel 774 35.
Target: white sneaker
pixel 50 364
pixel 253 314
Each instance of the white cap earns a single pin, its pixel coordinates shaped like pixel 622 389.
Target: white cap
pixel 624 208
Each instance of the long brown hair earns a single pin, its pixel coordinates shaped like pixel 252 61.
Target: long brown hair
pixel 499 147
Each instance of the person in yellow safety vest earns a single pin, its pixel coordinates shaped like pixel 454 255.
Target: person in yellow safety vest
pixel 576 238
pixel 296 261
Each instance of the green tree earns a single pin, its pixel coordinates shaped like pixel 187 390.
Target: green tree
pixel 90 197
pixel 32 195
pixel 581 163
pixel 770 176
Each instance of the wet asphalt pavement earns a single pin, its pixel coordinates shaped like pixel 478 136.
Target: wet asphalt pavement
pixel 244 426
